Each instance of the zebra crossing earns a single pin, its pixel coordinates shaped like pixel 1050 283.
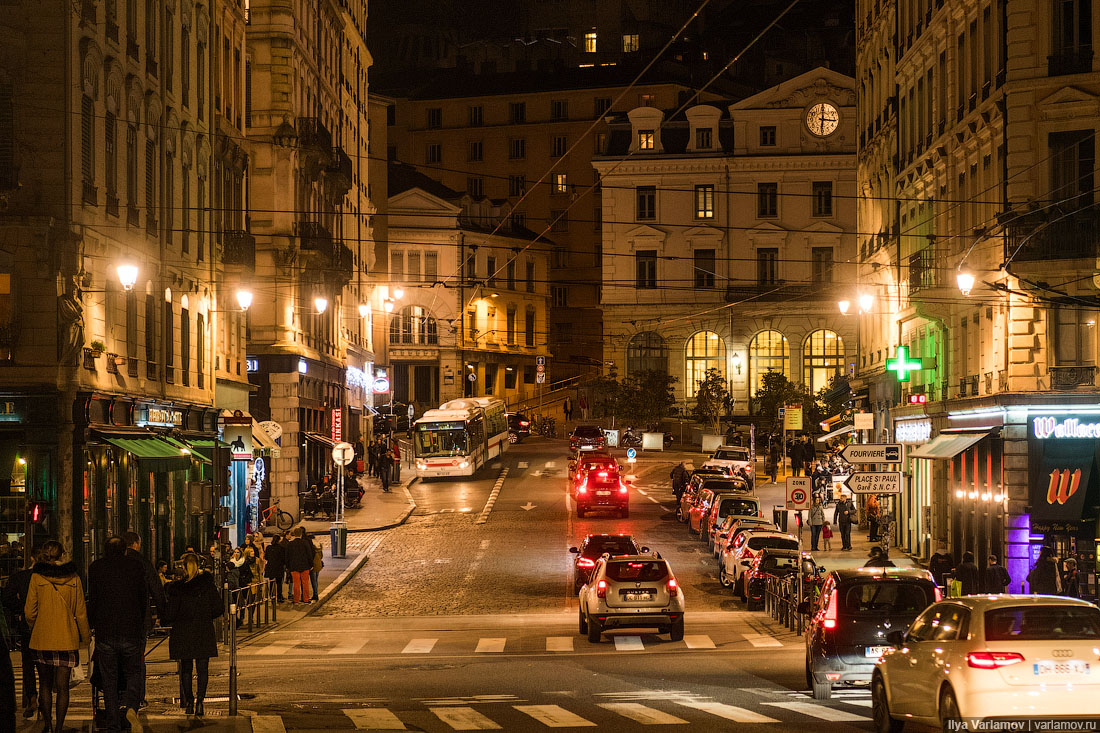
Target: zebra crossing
pixel 617 710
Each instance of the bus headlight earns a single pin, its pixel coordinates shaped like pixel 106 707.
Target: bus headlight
pixel 465 464
pixel 421 464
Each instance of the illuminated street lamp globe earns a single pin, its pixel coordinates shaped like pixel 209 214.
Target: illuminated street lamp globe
pixel 866 301
pixel 844 306
pixel 965 281
pixel 364 310
pixel 321 304
pixel 127 275
pixel 244 299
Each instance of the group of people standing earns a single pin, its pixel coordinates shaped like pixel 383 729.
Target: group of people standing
pixel 382 460
pixel 1051 575
pixel 296 560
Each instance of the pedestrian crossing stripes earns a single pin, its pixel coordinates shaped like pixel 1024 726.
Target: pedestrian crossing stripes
pixel 419 646
pixel 371 719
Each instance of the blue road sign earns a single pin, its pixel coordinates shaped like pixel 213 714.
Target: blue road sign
pixel 631 453
pixel 540 360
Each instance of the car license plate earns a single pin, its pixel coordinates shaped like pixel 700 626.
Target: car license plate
pixel 1050 668
pixel 603 493
pixel 875 651
pixel 638 595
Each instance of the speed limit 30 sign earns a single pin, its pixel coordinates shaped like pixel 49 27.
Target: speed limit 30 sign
pixel 798 493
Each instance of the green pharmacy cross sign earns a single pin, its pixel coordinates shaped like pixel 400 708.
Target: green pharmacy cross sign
pixel 902 364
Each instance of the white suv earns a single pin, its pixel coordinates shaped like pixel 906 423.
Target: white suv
pixel 631 591
pixel 739 555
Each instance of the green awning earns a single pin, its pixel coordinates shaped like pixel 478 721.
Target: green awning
pixel 203 448
pixel 182 446
pixel 152 450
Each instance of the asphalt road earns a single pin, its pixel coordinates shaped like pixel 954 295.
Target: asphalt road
pixel 455 625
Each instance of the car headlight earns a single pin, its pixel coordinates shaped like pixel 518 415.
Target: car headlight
pixel 421 464
pixel 465 464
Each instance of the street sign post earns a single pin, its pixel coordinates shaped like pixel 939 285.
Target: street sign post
pixel 875 482
pixel 799 491
pixel 342 454
pixel 872 453
pixel 631 455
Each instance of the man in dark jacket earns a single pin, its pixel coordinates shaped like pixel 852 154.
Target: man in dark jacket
pixel 940 564
pixel 967 575
pixel 843 518
pixel 15 599
pixel 118 598
pixel 995 578
pixel 679 476
pixel 796 455
pixel 275 565
pixel 878 559
pixel 299 561
pixel 154 594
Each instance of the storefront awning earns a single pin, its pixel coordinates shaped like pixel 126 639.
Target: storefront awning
pixel 839 431
pixel 1058 497
pixel 261 440
pixel 152 449
pixel 322 439
pixel 947 445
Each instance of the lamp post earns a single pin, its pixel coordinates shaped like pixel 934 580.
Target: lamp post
pixel 127 275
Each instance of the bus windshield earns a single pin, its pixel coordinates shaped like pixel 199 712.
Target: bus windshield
pixel 441 439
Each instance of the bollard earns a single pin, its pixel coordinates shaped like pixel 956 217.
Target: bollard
pixel 233 659
pixel 228 605
pixel 267 601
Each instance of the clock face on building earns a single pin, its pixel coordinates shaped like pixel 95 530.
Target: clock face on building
pixel 822 119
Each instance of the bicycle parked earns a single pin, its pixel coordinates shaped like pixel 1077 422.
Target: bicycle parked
pixel 284 520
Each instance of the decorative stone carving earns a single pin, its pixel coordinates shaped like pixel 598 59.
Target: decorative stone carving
pixel 70 322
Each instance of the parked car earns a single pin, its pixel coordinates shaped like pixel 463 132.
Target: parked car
pixel 519 427
pixel 593 546
pixel 731 525
pixel 587 437
pixel 698 509
pixel 602 489
pixel 990 657
pixel 773 562
pixel 733 459
pixel 699 481
pixel 857 608
pixel 637 591
pixel 743 550
pixel 729 500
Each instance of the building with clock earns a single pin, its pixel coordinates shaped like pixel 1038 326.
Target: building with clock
pixel 729 237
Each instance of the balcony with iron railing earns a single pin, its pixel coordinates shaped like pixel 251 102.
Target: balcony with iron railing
pixel 924 270
pixel 329 254
pixel 340 168
pixel 239 249
pixel 1054 235
pixel 1071 377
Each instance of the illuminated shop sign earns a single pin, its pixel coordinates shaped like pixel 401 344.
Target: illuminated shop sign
pixel 162 417
pixel 1051 427
pixel 8 413
pixel 912 431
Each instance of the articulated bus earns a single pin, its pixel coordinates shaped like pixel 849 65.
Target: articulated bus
pixel 460 437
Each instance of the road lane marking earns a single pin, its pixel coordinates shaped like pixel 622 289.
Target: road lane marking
pixel 762 640
pixel 464 719
pixel 729 712
pixel 554 716
pixel 642 492
pixel 496 466
pixel 419 646
pixel 484 517
pixel 821 712
pixel 629 644
pixel 352 646
pixel 489 645
pixel 559 643
pixel 522 464
pixel 642 713
pixel 267 724
pixel 280 647
pixel 551 464
pixel 374 719
pixel 698 641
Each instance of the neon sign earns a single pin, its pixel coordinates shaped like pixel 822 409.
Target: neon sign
pixel 1050 427
pixel 913 431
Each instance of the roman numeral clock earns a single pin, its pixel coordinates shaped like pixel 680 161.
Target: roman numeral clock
pixel 822 119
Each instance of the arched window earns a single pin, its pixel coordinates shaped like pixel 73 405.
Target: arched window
pixel 413 325
pixel 768 352
pixel 822 358
pixel 705 350
pixel 646 352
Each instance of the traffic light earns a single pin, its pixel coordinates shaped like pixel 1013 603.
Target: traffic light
pixel 38 516
pixel 918 399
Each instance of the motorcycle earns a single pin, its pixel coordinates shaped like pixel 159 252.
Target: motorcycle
pixel 631 438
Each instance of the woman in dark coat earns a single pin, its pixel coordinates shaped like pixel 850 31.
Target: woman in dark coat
pixel 1044 577
pixel 193 604
pixel 276 564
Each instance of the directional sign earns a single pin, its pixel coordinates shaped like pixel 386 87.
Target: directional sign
pixel 540 360
pixel 872 453
pixel 880 482
pixel 631 453
pixel 343 453
pixel 799 490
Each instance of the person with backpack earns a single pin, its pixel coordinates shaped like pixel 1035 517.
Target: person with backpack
pixel 679 476
pixel 193 602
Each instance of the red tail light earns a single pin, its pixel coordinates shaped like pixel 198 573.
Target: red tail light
pixel 622 488
pixel 601 589
pixel 673 589
pixel 993 660
pixel 583 487
pixel 585 562
pixel 602 474
pixel 523 423
pixel 939 594
pixel 828 621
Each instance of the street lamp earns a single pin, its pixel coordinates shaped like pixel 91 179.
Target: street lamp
pixel 388 305
pixel 965 280
pixel 398 293
pixel 866 300
pixel 364 310
pixel 244 299
pixel 321 304
pixel 127 275
pixel 844 306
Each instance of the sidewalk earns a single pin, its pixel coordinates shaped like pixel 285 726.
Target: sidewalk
pixel 378 510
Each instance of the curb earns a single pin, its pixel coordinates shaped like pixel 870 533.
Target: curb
pixel 397 523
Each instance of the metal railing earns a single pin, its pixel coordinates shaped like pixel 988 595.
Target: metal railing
pixel 257 600
pixel 781 601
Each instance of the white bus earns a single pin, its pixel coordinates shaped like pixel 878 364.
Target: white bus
pixel 460 437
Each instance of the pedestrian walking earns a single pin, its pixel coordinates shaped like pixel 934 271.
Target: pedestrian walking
pixel 193 602
pixel 287 537
pixel 276 565
pixel 795 454
pixel 316 568
pixel 873 511
pixel 817 521
pixel 1071 585
pixel 117 601
pixel 995 578
pixel 941 564
pixel 843 517
pixel 826 537
pixel 773 458
pixel 372 458
pixel 248 574
pixel 809 454
pixel 299 561
pixel 567 409
pixel 679 476
pixel 396 462
pixel 155 590
pixel 14 600
pixel 967 575
pixel 1044 578
pixel 385 468
pixel 58 619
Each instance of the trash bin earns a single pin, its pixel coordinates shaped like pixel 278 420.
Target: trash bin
pixel 779 516
pixel 338 536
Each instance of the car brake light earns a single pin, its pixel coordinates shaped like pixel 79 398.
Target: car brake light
pixel 585 562
pixel 602 474
pixel 673 589
pixel 829 620
pixel 939 594
pixel 992 660
pixel 622 488
pixel 601 589
pixel 832 676
pixel 523 423
pixel 583 488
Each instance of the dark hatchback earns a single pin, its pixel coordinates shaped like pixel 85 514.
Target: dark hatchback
pixel 775 563
pixel 587 437
pixel 602 489
pixel 519 427
pixel 595 545
pixel 849 622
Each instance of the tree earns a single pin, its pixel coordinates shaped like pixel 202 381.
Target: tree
pixel 712 399
pixel 604 395
pixel 646 397
pixel 777 391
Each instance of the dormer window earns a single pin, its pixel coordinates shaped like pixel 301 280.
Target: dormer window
pixel 646 140
pixel 703 138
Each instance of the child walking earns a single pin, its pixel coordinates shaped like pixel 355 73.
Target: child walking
pixel 827 536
